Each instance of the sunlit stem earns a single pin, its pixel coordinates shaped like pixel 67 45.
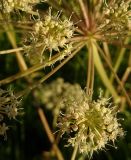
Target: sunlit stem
pixel 11 36
pixel 100 69
pixel 90 71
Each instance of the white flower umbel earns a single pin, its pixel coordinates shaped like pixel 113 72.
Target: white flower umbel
pixel 53 35
pixel 89 124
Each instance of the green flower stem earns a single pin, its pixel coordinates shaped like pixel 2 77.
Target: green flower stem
pixel 100 68
pixel 40 66
pixel 90 71
pixel 115 75
pixel 117 64
pixel 73 157
pixel 106 50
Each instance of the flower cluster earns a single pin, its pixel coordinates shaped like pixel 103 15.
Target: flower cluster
pixel 9 5
pixel 51 34
pixel 8 109
pixel 89 124
pixel 116 18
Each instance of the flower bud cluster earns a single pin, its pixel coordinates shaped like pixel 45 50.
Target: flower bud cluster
pixel 8 109
pixel 25 5
pixel 52 34
pixel 116 18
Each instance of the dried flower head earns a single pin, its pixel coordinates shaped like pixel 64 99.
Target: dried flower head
pixel 25 5
pixel 90 124
pixel 9 108
pixel 51 34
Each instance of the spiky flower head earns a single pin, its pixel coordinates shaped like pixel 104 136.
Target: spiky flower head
pixel 9 5
pixel 90 124
pixel 9 108
pixel 51 34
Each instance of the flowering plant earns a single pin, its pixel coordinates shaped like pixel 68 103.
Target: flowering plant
pixel 43 36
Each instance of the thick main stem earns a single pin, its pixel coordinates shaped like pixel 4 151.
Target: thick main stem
pixel 90 72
